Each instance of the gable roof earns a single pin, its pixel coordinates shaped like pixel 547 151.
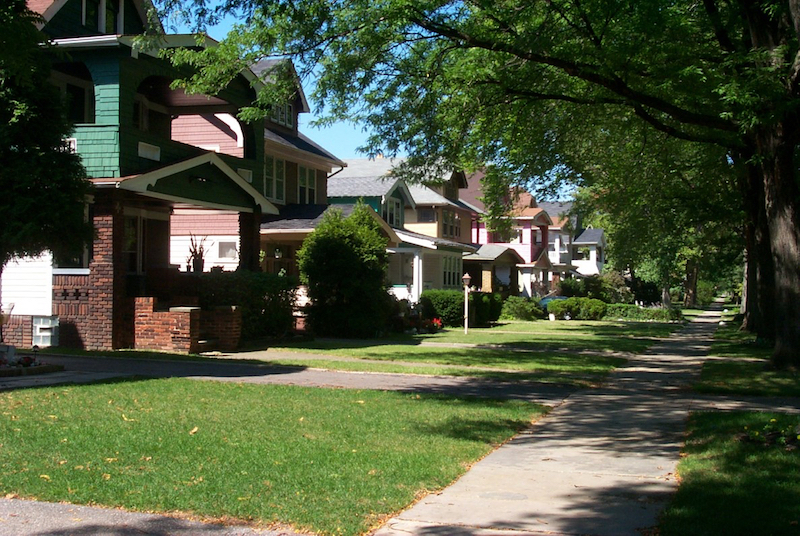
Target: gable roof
pixel 590 236
pixel 302 219
pixel 432 242
pixel 492 252
pixel 558 210
pixel 48 9
pixel 262 70
pixel 303 144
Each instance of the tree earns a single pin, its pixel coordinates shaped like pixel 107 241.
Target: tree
pixel 475 81
pixel 43 184
pixel 343 262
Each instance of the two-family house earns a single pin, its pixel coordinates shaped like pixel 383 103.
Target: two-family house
pixel 573 251
pixel 433 230
pixel 528 238
pixel 132 135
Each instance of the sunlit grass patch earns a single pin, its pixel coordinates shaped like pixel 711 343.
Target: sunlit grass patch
pixel 333 461
pixel 733 485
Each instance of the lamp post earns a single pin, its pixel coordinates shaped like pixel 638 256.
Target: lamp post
pixel 466 280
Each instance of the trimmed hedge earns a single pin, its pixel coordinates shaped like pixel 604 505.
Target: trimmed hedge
pixel 634 312
pixel 448 305
pixel 577 308
pixel 266 300
pixel 519 308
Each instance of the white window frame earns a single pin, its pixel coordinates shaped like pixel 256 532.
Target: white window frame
pixel 275 178
pixel 306 185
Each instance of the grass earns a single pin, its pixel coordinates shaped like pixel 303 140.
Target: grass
pixel 730 486
pixel 745 368
pixel 331 461
pixel 573 353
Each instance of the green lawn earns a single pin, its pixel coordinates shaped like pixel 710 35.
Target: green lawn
pixel 745 368
pixel 333 461
pixel 574 353
pixel 737 486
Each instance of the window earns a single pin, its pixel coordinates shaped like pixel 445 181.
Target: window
pixel 78 95
pixel 275 178
pixel 451 271
pixel 451 224
pixel 91 14
pixel 111 16
pixel 306 186
pixel 80 260
pixel 283 114
pixel 393 212
pixel 227 250
pixel 133 248
pixel 426 215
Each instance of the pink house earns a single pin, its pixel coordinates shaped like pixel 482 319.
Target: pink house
pixel 528 237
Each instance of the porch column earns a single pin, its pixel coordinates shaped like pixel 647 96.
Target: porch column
pixel 250 239
pixel 416 275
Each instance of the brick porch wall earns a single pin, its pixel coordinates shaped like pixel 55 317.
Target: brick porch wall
pixel 19 331
pixel 176 330
pixel 224 324
pixel 71 305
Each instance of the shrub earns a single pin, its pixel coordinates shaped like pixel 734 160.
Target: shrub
pixel 577 308
pixel 571 288
pixel 448 305
pixel 621 311
pixel 706 292
pixel 265 300
pixel 486 307
pixel 344 263
pixel 519 308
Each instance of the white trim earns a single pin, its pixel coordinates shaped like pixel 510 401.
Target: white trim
pixel 141 183
pixel 71 271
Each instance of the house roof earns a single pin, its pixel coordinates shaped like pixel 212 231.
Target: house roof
pixel 263 68
pixel 590 236
pixel 339 186
pixel 302 219
pixel 48 8
pixel 430 242
pixel 525 206
pixel 559 211
pixel 302 143
pixel 492 252
pixel 423 195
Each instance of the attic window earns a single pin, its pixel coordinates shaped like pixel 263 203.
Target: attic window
pixel 91 14
pixel 283 114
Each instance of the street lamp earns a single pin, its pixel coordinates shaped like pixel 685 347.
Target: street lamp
pixel 466 278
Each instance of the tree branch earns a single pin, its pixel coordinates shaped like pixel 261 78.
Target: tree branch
pixel 583 72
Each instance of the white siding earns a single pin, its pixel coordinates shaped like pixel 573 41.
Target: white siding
pixel 28 284
pixel 180 246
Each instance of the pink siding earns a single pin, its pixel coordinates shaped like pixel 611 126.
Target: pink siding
pixel 200 223
pixel 206 130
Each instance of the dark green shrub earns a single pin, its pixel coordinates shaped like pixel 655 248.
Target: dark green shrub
pixel 620 311
pixel 571 288
pixel 344 264
pixel 266 300
pixel 447 305
pixel 486 307
pixel 577 309
pixel 519 308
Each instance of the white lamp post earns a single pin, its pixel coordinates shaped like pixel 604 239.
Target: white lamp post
pixel 466 280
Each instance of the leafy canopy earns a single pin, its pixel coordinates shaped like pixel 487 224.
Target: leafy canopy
pixel 44 187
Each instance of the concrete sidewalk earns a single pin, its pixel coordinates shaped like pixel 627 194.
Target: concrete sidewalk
pixel 603 463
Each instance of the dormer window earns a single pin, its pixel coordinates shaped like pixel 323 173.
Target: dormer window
pixel 102 16
pixel 283 114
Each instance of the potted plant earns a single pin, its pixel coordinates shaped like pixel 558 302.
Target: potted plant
pixel 197 253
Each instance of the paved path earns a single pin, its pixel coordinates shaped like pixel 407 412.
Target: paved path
pixel 601 463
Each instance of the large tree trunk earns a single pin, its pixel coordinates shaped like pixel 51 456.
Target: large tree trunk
pixel 781 200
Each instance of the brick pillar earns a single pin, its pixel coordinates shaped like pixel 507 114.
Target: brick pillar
pixel 106 276
pixel 250 239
